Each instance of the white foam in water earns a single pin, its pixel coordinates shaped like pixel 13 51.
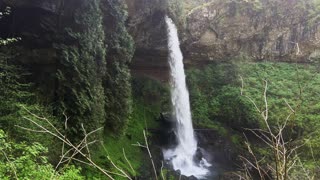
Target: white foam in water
pixel 182 156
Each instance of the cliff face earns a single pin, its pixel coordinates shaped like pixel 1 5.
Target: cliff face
pixel 146 23
pixel 77 52
pixel 218 30
pixel 274 30
pixel 210 30
pixel 147 27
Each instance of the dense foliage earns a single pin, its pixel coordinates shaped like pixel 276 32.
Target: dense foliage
pixel 81 69
pixel 12 91
pixel 90 82
pixel 150 97
pixel 16 95
pixel 228 94
pixel 117 80
pixel 28 161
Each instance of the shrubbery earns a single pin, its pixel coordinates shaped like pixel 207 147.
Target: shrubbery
pixel 28 161
pixel 233 95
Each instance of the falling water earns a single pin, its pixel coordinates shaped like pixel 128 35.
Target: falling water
pixel 182 156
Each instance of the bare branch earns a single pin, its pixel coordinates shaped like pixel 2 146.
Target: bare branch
pixel 122 172
pixel 161 170
pixel 124 155
pixel 77 149
pixel 11 164
pixel 283 159
pixel 85 140
pixel 146 146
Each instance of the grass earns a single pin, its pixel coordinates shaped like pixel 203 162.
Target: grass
pixel 216 101
pixel 142 117
pixel 211 87
pixel 145 111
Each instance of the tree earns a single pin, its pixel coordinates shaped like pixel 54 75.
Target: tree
pixel 81 68
pixel 117 85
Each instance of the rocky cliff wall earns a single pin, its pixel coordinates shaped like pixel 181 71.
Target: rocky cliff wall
pixel 219 30
pixel 262 30
pixel 147 27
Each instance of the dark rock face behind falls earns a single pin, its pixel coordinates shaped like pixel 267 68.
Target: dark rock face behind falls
pixel 40 25
pixel 147 27
pixel 222 29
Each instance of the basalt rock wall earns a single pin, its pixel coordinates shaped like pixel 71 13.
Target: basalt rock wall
pixel 262 30
pixel 147 27
pixel 220 30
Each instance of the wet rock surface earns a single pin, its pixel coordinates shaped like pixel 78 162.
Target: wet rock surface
pixel 147 27
pixel 218 150
pixel 167 136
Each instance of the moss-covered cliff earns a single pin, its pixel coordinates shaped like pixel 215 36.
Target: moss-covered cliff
pixel 78 53
pixel 70 64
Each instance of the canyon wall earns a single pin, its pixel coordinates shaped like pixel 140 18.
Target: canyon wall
pixel 262 30
pixel 219 30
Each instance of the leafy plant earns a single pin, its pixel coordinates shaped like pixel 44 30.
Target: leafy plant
pixel 220 94
pixel 80 94
pixel 116 82
pixel 28 161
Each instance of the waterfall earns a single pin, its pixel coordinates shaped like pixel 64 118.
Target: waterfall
pixel 182 156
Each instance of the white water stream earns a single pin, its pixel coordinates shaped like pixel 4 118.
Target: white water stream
pixel 182 156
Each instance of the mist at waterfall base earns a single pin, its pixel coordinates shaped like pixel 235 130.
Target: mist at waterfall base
pixel 182 156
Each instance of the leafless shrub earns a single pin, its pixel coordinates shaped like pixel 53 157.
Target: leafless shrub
pixel 284 156
pixel 73 151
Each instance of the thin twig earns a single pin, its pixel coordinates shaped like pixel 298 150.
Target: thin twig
pixel 146 146
pixel 85 140
pixel 161 170
pixel 62 138
pixel 11 164
pixel 125 157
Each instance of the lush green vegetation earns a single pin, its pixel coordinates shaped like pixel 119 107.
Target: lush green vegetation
pixel 29 161
pixel 228 94
pixel 116 83
pixel 150 98
pixel 80 71
pixel 91 85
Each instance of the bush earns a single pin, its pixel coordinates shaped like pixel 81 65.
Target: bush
pixel 28 161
